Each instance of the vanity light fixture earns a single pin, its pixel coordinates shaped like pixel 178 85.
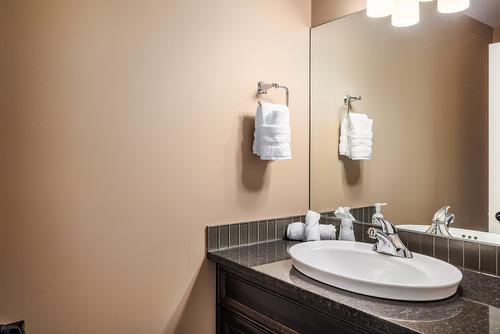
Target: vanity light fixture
pixel 452 6
pixel 379 8
pixel 405 13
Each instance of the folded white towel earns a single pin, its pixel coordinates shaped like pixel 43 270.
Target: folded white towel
pixel 360 152
pixel 356 136
pixel 360 134
pixel 356 150
pixel 272 132
pixel 344 138
pixel 361 142
pixel 272 114
pixel 275 152
pixel 361 157
pixel 272 141
pixel 359 122
pixel 297 231
pixel 312 226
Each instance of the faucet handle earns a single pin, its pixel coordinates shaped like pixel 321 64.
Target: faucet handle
pixel 387 226
pixel 441 214
pixel 441 220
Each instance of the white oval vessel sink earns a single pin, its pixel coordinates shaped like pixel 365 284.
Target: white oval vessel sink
pixel 355 267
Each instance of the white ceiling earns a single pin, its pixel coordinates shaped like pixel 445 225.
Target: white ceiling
pixel 486 11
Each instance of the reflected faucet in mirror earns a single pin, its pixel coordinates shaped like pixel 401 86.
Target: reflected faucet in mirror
pixel 388 241
pixel 441 222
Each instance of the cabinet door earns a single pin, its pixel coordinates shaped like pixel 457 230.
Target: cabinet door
pixel 232 323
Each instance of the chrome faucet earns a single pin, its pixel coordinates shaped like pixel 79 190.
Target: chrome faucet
pixel 441 222
pixel 388 241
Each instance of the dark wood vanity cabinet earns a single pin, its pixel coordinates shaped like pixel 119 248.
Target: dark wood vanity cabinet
pixel 234 323
pixel 245 306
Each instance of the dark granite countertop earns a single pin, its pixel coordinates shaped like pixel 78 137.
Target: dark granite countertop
pixel 474 309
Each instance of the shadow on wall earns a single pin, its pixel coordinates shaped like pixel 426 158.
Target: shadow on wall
pixel 192 310
pixel 351 171
pixel 253 170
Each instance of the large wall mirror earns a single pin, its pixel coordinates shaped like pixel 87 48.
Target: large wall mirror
pixel 426 88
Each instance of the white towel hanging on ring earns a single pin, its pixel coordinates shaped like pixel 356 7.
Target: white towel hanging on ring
pixel 272 132
pixel 356 136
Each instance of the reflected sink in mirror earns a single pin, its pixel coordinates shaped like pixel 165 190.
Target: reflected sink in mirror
pixel 460 233
pixel 355 267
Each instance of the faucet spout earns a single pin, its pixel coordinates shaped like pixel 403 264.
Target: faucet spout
pixel 388 241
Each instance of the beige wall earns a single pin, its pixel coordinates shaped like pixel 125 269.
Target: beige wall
pixel 496 35
pixel 426 89
pixel 327 10
pixel 125 129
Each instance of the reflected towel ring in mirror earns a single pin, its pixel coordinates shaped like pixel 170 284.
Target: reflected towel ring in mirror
pixel 348 100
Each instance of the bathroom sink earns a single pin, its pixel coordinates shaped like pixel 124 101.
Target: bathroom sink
pixel 355 267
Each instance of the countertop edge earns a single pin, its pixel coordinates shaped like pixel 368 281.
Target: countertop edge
pixel 310 299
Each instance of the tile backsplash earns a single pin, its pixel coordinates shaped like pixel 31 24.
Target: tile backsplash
pixel 461 253
pixel 248 233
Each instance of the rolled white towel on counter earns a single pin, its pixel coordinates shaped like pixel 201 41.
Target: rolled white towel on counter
pixel 327 232
pixel 312 226
pixel 297 231
pixel 312 217
pixel 312 232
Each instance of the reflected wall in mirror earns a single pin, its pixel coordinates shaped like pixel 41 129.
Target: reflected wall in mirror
pixel 426 88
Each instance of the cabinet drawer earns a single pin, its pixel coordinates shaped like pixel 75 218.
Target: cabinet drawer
pixel 234 323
